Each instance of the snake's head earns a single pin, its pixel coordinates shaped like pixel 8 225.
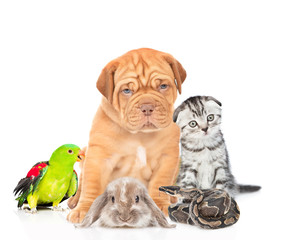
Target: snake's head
pixel 170 190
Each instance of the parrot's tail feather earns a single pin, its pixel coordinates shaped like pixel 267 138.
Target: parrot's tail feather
pixel 23 186
pixel 23 189
pixel 22 199
pixel 30 183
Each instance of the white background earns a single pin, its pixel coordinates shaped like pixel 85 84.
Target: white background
pixel 52 52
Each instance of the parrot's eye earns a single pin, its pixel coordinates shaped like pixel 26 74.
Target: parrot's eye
pixel 70 151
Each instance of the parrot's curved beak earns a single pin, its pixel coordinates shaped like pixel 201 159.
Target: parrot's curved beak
pixel 81 156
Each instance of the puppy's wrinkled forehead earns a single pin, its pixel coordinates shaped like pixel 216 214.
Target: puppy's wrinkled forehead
pixel 143 66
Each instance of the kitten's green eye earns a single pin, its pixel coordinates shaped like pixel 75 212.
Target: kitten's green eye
pixel 210 118
pixel 193 124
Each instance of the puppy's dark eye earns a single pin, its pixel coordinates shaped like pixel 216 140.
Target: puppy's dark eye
pixel 127 91
pixel 113 199
pixel 70 151
pixel 137 199
pixel 163 86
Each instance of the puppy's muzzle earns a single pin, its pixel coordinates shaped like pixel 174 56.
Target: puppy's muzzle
pixel 147 109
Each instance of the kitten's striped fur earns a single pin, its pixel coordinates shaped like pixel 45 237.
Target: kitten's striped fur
pixel 204 156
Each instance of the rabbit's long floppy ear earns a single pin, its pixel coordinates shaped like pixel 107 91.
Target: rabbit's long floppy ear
pixel 156 213
pixel 94 211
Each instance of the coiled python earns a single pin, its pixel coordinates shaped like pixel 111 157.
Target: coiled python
pixel 210 209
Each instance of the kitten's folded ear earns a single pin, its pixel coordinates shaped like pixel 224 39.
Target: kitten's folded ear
pixel 209 98
pixel 176 113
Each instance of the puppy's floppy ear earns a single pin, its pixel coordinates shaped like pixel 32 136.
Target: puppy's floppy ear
pixel 105 82
pixel 156 213
pixel 94 211
pixel 178 70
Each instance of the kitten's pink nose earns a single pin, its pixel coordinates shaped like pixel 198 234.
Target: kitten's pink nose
pixel 205 129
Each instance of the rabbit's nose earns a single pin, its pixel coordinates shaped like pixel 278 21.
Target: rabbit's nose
pixel 125 219
pixel 124 216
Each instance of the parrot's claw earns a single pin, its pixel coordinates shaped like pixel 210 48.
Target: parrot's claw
pixel 57 208
pixel 25 207
pixel 32 211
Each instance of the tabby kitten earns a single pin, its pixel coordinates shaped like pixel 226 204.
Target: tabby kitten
pixel 204 156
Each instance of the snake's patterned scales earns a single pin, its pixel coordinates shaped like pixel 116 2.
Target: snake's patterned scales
pixel 209 209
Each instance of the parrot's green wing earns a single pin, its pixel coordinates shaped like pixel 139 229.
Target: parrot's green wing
pixel 30 183
pixel 73 185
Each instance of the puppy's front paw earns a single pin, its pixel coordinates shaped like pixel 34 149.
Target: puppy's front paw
pixel 72 202
pixel 77 215
pixel 163 208
pixel 173 199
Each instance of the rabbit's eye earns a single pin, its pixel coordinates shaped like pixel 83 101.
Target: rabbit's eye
pixel 137 199
pixel 113 199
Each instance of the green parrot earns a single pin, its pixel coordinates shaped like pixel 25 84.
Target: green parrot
pixel 51 182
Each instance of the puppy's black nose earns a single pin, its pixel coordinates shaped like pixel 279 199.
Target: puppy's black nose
pixel 205 129
pixel 147 109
